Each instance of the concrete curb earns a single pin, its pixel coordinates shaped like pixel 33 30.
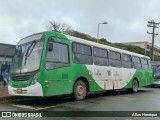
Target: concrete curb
pixel 4 99
pixel 10 98
pixel 7 98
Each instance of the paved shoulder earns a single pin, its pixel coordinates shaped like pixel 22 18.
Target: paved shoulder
pixel 3 91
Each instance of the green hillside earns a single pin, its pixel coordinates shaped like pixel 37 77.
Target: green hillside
pixel 117 45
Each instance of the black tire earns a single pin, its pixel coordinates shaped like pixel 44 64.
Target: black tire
pixel 110 92
pixel 79 90
pixel 152 86
pixel 134 88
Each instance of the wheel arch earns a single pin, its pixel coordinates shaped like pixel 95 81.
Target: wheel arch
pixel 85 80
pixel 135 78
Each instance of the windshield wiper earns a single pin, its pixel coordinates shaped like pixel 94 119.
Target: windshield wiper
pixel 29 49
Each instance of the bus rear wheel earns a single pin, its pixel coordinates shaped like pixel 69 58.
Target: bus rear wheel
pixel 134 88
pixel 80 90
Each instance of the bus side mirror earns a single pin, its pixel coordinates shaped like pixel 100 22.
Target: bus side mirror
pixel 50 46
pixel 17 52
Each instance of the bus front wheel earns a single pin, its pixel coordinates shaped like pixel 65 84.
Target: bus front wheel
pixel 80 90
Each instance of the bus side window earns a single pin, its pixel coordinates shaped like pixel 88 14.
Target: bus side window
pixel 126 61
pixel 115 59
pixel 57 55
pixel 136 62
pixel 82 54
pixel 144 64
pixel 100 57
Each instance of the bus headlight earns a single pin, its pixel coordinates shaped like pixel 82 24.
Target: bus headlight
pixel 34 80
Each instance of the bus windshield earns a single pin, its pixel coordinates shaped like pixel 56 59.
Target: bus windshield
pixel 27 57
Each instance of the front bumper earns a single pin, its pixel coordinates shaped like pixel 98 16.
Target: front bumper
pixel 156 82
pixel 33 90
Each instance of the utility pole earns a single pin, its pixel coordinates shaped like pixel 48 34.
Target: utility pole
pixel 153 25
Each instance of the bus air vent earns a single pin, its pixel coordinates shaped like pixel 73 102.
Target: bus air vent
pixel 20 77
pixel 64 76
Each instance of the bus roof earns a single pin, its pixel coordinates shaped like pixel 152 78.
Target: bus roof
pixel 83 41
pixel 87 42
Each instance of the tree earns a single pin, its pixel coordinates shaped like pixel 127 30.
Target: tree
pixel 59 27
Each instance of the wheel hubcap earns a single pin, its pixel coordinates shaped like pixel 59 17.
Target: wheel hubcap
pixel 135 86
pixel 80 90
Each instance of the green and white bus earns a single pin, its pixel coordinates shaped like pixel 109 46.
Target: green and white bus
pixel 51 63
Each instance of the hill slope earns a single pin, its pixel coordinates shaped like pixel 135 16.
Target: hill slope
pixel 117 45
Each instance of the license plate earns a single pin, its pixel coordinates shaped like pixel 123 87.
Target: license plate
pixel 19 90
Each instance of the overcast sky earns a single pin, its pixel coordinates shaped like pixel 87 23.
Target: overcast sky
pixel 127 19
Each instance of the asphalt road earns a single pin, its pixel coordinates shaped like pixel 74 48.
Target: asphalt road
pixel 147 99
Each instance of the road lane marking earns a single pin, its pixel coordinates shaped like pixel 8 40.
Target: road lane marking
pixel 45 108
pixel 24 107
pixel 32 108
